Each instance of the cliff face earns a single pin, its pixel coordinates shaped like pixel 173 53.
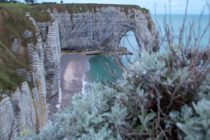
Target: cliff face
pixel 26 108
pixel 18 112
pixel 52 51
pixel 103 28
pixel 99 28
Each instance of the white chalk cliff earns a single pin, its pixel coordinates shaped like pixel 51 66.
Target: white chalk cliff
pixel 26 108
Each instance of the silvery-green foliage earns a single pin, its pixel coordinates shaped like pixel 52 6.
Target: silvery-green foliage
pixel 194 121
pixel 138 106
pixel 148 63
pixel 89 117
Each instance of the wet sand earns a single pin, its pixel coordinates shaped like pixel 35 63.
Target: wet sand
pixel 73 67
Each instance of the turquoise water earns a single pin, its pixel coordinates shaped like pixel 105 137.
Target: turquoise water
pixel 103 68
pixel 100 65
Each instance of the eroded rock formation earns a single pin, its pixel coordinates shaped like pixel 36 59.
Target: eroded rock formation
pixel 103 28
pixel 26 108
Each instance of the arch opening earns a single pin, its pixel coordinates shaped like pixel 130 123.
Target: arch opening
pixel 129 41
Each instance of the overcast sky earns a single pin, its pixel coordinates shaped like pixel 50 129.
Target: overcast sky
pixel 177 6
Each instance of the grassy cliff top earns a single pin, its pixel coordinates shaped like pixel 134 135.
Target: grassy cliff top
pixel 84 7
pixel 71 8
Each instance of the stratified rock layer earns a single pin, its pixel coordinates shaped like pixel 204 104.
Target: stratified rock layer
pixel 104 28
pixel 26 108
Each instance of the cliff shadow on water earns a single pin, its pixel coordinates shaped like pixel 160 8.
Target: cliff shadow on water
pixel 73 71
pixel 78 71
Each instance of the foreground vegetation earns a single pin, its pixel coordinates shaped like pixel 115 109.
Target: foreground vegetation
pixel 161 96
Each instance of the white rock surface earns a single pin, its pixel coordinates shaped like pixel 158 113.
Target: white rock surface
pixel 104 28
pixel 27 108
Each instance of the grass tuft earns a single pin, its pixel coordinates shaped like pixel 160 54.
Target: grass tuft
pixel 9 80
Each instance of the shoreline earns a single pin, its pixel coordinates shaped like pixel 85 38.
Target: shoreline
pixel 74 73
pixel 119 51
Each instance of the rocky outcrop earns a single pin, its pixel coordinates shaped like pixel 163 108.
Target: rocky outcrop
pixel 52 59
pixel 27 34
pixel 26 108
pixel 15 46
pixel 17 112
pixel 103 28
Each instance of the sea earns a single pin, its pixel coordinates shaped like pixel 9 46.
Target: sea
pixel 104 68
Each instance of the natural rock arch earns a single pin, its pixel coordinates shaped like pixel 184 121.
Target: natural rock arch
pixel 129 41
pixel 103 29
pixel 92 30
